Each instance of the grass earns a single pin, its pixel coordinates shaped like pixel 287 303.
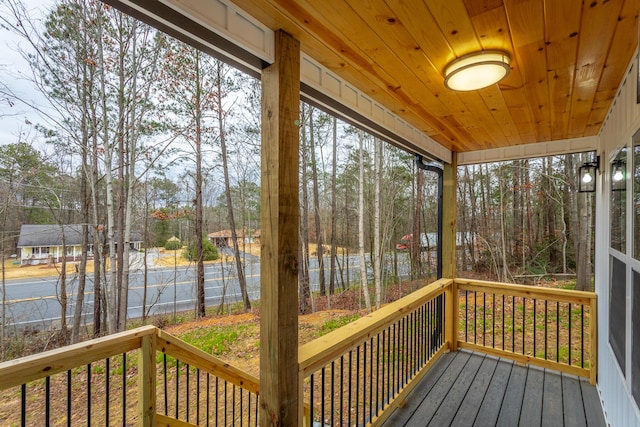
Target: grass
pixel 333 324
pixel 217 340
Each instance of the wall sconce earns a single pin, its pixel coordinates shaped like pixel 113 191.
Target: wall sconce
pixel 587 176
pixel 618 175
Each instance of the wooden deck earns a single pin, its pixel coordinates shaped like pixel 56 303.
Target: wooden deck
pixel 474 389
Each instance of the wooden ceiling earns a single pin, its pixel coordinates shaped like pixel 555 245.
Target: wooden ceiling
pixel 568 60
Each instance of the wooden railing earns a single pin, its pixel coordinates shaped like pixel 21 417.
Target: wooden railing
pixel 552 328
pixel 356 375
pixel 134 376
pixel 200 389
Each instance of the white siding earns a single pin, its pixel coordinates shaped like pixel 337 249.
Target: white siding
pixel 620 125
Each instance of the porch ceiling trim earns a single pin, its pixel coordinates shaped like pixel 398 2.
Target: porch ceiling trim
pixel 227 32
pixel 541 149
pixel 324 88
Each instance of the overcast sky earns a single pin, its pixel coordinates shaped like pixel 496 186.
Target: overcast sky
pixel 14 71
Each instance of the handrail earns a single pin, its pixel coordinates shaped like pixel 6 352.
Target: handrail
pixel 197 358
pixel 30 368
pixel 361 372
pixel 543 321
pixel 563 295
pixel 315 354
pixel 146 341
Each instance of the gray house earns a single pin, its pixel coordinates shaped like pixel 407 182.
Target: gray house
pixel 42 243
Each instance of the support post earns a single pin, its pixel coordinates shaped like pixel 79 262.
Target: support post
pixel 279 383
pixel 593 340
pixel 147 381
pixel 449 214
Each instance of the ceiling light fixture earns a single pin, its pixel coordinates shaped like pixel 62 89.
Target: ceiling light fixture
pixel 477 70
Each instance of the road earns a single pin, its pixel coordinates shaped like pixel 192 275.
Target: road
pixel 33 303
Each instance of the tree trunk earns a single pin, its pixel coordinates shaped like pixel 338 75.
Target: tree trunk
pixel 316 204
pixel 84 213
pixel 550 215
pixel 377 231
pixel 474 216
pixel 82 266
pixel 334 209
pixel 111 290
pixel 304 223
pixel 63 286
pixel 363 261
pixel 227 187
pixel 503 240
pixel 516 233
pixel 201 309
pixel 415 249
pixel 119 185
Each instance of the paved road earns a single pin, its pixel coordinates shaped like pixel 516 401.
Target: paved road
pixel 34 303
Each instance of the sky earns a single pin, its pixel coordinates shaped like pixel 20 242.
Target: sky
pixel 15 117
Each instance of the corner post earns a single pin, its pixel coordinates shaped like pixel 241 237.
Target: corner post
pixel 147 381
pixel 279 383
pixel 449 214
pixel 593 340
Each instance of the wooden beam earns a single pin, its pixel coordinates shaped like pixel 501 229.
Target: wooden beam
pixel 279 383
pixel 147 381
pixel 449 214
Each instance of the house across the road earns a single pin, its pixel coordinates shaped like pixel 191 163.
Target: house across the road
pixel 42 243
pixel 223 239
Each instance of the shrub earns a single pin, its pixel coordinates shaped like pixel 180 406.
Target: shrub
pixel 173 245
pixel 209 251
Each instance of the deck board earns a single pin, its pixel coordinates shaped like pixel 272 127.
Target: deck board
pixel 473 400
pixel 512 402
pixel 552 409
pixel 592 405
pixel 422 390
pixel 490 407
pixel 449 406
pixel 574 413
pixel 440 390
pixel 465 389
pixel 531 413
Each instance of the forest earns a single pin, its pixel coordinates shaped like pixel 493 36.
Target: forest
pixel 141 133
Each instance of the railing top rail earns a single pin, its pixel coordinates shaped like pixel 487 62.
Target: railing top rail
pixel 563 295
pixel 314 354
pixel 197 358
pixel 30 368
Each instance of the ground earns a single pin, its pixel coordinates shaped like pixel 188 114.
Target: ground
pixel 240 334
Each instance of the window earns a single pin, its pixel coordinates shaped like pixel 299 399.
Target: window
pixel 636 195
pixel 41 250
pixel 635 350
pixel 617 310
pixel 618 204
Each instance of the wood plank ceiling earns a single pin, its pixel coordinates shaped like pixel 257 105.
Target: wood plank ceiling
pixel 568 60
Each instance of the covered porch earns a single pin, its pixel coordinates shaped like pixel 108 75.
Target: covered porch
pixel 438 344
pixel 381 65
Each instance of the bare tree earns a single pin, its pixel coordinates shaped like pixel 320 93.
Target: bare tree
pixel 334 208
pixel 363 261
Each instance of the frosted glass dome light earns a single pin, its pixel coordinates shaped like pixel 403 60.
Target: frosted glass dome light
pixel 477 70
